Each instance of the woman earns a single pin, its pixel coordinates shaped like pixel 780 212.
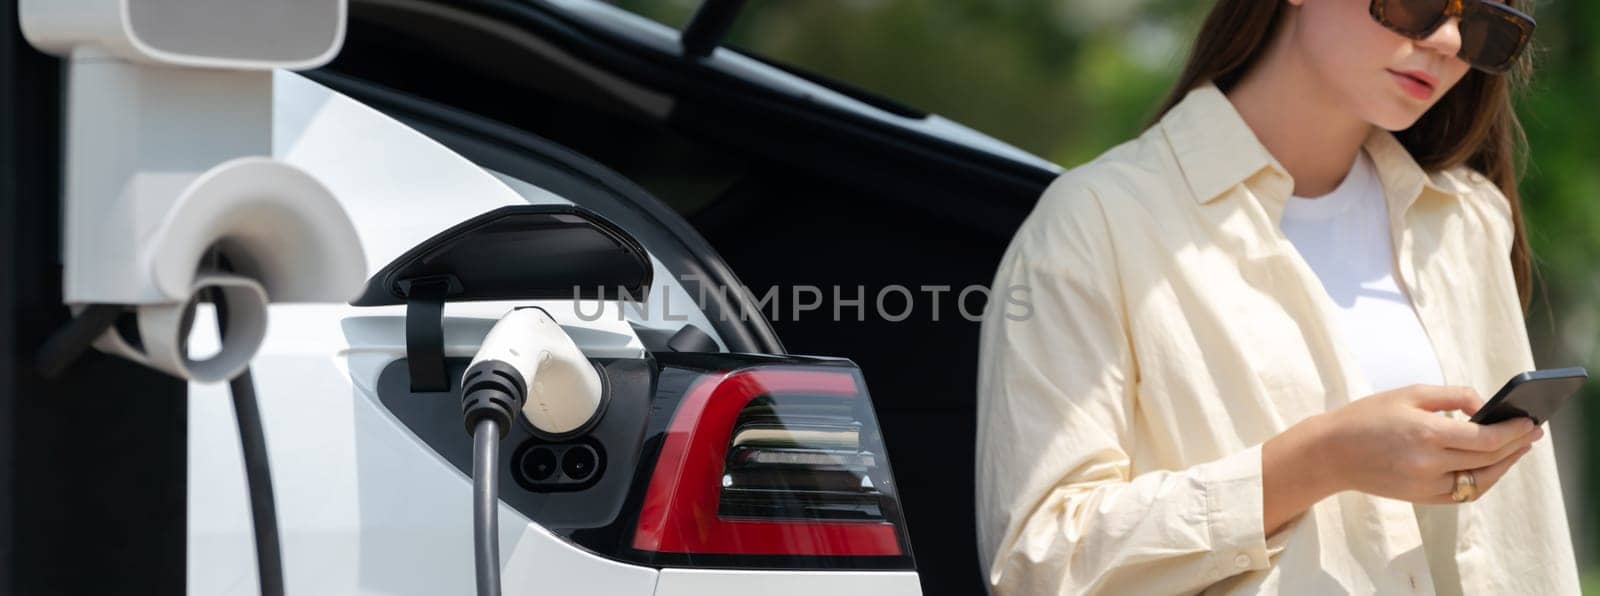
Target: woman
pixel 1254 333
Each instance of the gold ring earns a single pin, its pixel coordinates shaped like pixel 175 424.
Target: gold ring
pixel 1466 487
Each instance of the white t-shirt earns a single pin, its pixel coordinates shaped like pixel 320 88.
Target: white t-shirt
pixel 1344 236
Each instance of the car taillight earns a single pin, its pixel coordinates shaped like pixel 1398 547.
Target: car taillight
pixel 773 460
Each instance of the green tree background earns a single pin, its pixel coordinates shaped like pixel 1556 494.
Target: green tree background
pixel 1067 79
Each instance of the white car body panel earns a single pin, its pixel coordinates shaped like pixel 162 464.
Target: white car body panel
pixel 363 506
pixel 699 582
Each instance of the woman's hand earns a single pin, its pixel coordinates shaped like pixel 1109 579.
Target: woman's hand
pixel 1394 444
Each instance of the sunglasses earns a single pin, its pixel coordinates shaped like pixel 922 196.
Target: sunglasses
pixel 1492 34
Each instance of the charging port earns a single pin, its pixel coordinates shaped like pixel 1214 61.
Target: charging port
pixel 539 466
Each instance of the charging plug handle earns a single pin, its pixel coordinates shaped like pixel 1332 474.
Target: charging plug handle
pixel 492 390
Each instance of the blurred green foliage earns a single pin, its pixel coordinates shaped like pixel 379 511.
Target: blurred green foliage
pixel 1068 79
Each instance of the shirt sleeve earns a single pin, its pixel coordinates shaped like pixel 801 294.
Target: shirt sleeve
pixel 1059 512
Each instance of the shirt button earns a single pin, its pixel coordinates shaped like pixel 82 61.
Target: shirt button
pixel 1242 561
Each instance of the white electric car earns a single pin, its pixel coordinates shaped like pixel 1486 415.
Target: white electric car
pixel 496 154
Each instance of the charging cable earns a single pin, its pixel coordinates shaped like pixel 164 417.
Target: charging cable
pixel 488 405
pixel 257 474
pixel 72 340
pixel 528 365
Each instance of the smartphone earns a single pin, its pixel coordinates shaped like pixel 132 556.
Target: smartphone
pixel 1536 394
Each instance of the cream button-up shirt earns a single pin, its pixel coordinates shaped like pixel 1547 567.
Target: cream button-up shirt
pixel 1163 328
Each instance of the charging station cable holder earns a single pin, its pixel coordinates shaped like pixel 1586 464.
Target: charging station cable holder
pixel 168 160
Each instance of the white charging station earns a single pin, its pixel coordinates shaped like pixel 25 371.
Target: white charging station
pixel 227 34
pixel 168 160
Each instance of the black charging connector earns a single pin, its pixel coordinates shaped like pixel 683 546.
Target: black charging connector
pixel 493 390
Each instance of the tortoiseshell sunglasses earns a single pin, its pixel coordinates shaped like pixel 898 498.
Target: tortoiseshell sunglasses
pixel 1492 34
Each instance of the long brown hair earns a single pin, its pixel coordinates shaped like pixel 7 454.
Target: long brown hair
pixel 1474 123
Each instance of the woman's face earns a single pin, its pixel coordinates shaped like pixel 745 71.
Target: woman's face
pixel 1367 66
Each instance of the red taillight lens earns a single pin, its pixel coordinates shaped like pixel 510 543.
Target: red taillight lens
pixel 772 461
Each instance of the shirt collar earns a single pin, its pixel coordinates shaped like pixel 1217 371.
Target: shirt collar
pixel 1216 150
